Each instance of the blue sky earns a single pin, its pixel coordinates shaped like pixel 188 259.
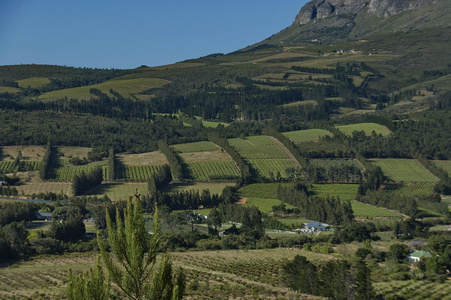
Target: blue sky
pixel 127 34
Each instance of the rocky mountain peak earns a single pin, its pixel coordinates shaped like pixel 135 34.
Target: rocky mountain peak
pixel 321 9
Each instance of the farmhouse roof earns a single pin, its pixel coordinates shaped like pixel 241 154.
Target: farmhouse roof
pixel 420 254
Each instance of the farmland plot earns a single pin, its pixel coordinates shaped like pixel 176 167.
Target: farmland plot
pixel 307 135
pixel 266 167
pixel 195 147
pixel 404 170
pixel 368 128
pixel 67 173
pixel 138 173
pixel 258 147
pixel 45 187
pixel 213 170
pixel 410 190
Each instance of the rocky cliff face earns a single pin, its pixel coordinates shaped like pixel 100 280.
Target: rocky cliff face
pixel 321 9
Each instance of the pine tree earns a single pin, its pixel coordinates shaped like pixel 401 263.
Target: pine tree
pixel 132 269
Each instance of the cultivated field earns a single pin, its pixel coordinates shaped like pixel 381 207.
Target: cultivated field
pixel 213 170
pixel 119 191
pixel 415 289
pixel 368 128
pixel 266 167
pixel 235 274
pixel 195 147
pixel 68 152
pixel 143 159
pixel 205 156
pixel 410 190
pixel 404 170
pixel 67 173
pixel 138 173
pixel 307 135
pixel 261 190
pixel 125 87
pixel 258 147
pixel 265 204
pixel 45 187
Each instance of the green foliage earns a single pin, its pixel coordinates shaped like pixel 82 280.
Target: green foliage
pixel 307 135
pixel 174 160
pixel 44 167
pixel 91 285
pixel 136 256
pixel 82 183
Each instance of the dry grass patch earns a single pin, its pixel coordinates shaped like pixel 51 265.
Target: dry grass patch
pixel 45 187
pixel 143 159
pixel 28 152
pixel 216 155
pixel 68 152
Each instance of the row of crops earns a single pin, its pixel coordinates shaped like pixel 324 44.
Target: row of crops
pixel 271 167
pixel 258 147
pixel 138 173
pixel 8 166
pixel 67 173
pixel 211 170
pixel 410 190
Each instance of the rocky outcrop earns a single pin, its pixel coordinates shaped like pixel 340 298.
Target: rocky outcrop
pixel 321 9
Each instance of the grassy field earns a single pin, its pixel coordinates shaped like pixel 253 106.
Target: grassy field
pixel 28 152
pixel 307 135
pixel 119 191
pixel 261 190
pixel 404 170
pixel 68 152
pixel 45 187
pixel 368 128
pixel 211 124
pixel 33 82
pixel 195 147
pixel 264 204
pixel 368 211
pixel 143 159
pixel 8 89
pixel 267 166
pixel 444 164
pixel 258 147
pixel 124 87
pixel 205 156
pixel 207 170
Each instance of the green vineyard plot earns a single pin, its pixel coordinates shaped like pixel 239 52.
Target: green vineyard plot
pixel 258 147
pixel 266 167
pixel 213 170
pixel 307 135
pixel 404 170
pixel 410 190
pixel 67 173
pixel 444 164
pixel 138 173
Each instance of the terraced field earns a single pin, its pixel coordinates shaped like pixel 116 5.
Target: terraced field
pixel 368 128
pixel 307 135
pixel 404 170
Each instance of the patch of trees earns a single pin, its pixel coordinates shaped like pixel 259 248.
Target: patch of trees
pixel 181 200
pixel 174 160
pixel 328 210
pixel 342 171
pixel 159 180
pixel 82 183
pixel 44 167
pixel 335 279
pixel 112 165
